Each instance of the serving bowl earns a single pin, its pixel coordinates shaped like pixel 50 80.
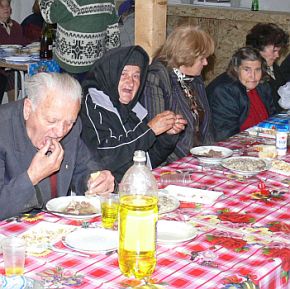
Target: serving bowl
pixel 246 166
pixel 211 154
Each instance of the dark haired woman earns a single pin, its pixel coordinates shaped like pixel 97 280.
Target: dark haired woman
pixel 269 39
pixel 238 98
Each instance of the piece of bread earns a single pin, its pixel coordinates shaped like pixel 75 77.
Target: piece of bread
pixel 95 175
pixel 266 151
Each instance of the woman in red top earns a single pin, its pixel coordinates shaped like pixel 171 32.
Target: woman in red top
pixel 239 98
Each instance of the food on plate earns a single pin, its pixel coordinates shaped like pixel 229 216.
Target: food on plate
pixel 166 203
pixel 212 154
pixel 246 164
pixel 44 233
pixel 80 208
pixel 266 151
pixel 281 166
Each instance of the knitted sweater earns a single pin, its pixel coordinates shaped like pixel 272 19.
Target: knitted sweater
pixel 85 30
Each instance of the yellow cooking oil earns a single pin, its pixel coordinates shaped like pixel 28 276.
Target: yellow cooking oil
pixel 10 271
pixel 137 235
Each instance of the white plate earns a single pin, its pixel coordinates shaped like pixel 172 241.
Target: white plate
pixel 172 232
pixel 44 233
pixel 250 166
pixel 10 46
pixel 193 195
pixel 17 58
pixel 57 206
pixel 204 150
pixel 166 203
pixel 92 240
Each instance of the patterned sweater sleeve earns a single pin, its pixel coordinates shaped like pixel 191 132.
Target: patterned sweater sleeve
pixel 54 11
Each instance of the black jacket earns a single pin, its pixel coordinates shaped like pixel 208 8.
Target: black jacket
pixel 285 68
pixel 229 104
pixel 112 130
pixel 275 84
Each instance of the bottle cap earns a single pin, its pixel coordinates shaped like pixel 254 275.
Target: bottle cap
pixel 139 156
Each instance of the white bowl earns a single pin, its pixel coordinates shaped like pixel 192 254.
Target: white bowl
pixel 246 166
pixel 202 153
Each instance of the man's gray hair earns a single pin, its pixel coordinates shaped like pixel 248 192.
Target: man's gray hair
pixel 38 86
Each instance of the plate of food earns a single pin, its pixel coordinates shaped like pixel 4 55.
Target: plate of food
pixel 166 203
pixel 211 154
pixel 44 233
pixel 173 232
pixel 246 166
pixel 75 207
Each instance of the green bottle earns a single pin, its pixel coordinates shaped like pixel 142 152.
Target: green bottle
pixel 255 5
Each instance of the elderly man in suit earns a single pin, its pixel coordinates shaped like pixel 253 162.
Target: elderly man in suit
pixel 41 153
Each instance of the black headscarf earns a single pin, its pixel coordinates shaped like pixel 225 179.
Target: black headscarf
pixel 106 72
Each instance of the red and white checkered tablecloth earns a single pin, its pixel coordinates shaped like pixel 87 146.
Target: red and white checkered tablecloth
pixel 242 241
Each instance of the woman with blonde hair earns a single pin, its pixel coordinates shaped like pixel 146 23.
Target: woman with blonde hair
pixel 174 82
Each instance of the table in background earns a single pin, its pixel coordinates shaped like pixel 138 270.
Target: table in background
pixel 242 242
pixel 31 67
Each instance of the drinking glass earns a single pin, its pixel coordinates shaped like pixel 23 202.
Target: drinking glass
pixel 13 255
pixel 110 210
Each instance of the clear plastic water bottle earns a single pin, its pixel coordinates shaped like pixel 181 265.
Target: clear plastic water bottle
pixel 137 221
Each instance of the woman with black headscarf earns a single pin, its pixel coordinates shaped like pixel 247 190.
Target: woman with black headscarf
pixel 114 122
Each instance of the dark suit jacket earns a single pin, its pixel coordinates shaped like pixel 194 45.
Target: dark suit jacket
pixel 285 68
pixel 17 194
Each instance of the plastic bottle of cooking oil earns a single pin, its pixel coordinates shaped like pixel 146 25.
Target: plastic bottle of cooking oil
pixel 137 222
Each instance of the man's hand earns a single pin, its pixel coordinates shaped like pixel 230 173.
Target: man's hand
pixel 46 161
pixel 99 184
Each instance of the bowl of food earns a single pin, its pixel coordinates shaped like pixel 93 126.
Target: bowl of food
pixel 246 166
pixel 211 154
pixel 75 207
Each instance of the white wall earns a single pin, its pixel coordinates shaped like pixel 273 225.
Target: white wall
pixel 21 9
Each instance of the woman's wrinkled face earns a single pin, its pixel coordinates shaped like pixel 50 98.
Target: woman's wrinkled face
pixel 250 73
pixel 196 68
pixel 129 83
pixel 5 10
pixel 270 53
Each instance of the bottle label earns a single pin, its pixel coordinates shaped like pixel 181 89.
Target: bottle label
pixel 140 231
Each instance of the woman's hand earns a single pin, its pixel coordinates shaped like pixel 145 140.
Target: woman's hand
pixel 179 125
pixel 162 122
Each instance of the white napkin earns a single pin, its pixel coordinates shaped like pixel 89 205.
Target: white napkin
pixel 187 194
